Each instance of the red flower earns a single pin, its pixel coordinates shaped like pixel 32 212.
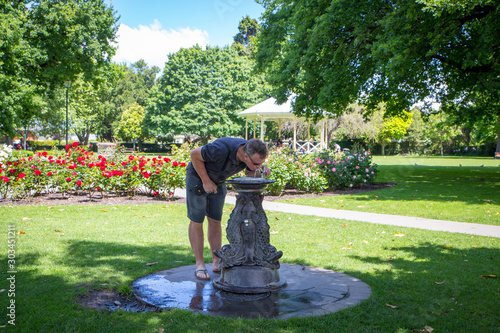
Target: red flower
pixel 131 157
pixel 146 174
pixel 75 144
pixel 155 193
pixel 68 147
pixel 79 183
pixel 135 168
pixel 22 175
pixel 183 164
pixel 38 172
pixel 124 163
pixel 166 159
pixel 68 179
pixel 175 163
pixel 49 173
pixel 12 171
pixel 157 171
pixel 6 179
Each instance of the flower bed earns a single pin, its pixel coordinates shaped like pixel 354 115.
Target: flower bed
pixel 78 170
pixel 315 173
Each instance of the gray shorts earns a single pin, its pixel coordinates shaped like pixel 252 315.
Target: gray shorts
pixel 199 206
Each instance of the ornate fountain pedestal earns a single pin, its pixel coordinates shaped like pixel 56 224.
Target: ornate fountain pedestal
pixel 249 264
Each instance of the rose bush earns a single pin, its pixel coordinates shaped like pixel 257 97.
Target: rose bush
pixel 345 170
pixel 79 170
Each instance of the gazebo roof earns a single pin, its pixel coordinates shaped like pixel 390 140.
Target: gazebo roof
pixel 269 110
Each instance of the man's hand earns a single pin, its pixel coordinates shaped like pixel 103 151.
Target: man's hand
pixel 266 170
pixel 210 187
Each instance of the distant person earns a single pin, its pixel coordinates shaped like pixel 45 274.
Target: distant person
pixel 279 143
pixel 206 174
pixel 337 148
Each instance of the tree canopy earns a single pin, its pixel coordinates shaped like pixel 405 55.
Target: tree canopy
pixel 200 93
pixel 335 52
pixel 43 43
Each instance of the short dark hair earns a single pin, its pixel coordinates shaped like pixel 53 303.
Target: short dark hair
pixel 255 146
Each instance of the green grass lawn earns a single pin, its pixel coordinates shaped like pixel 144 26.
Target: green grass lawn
pixel 435 188
pixel 62 252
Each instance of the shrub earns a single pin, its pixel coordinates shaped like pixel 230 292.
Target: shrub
pixel 345 170
pixel 80 170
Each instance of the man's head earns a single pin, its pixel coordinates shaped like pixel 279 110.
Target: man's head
pixel 255 153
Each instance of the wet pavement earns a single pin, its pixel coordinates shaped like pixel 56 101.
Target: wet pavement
pixel 310 291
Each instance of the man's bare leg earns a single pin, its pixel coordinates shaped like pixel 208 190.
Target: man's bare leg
pixel 214 240
pixel 196 239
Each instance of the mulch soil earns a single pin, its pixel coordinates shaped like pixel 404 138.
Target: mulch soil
pixel 113 199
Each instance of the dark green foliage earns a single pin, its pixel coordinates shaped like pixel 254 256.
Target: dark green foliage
pixel 201 91
pixel 333 53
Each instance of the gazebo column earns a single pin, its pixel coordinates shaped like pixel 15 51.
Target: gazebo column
pixel 262 128
pixel 254 128
pixel 294 132
pixel 279 128
pixel 322 136
pixel 246 128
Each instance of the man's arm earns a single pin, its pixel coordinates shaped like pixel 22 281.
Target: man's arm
pixel 199 166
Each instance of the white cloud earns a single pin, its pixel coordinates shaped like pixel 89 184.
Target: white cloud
pixel 153 44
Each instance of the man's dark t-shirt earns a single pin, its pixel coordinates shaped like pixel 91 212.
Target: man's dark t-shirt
pixel 220 159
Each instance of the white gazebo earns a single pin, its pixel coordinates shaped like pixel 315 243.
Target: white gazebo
pixel 269 110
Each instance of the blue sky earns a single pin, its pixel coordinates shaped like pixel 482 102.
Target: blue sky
pixel 152 29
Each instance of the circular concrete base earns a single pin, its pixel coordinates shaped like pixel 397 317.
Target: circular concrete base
pixel 311 291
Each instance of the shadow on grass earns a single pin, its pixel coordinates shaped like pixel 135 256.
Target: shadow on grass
pixel 429 284
pixel 47 298
pixel 470 185
pixel 452 290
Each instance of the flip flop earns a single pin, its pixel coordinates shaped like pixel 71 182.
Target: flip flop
pixel 202 271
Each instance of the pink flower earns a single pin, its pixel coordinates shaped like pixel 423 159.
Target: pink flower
pixel 155 193
pixel 22 175
pixel 68 179
pixel 353 177
pixel 357 166
pixel 328 162
pixel 333 169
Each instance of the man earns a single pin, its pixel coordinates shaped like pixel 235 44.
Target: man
pixel 206 190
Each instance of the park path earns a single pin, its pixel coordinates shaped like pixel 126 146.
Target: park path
pixel 395 220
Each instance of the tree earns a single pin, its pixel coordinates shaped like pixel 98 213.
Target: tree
pixel 440 129
pixel 44 43
pixel 333 53
pixel 353 124
pixel 131 125
pixel 200 92
pixel 394 128
pixel 245 39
